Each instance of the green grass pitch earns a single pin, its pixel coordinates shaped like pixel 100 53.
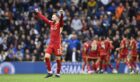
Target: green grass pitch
pixel 71 78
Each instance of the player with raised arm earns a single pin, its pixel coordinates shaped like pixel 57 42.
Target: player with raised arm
pixel 56 25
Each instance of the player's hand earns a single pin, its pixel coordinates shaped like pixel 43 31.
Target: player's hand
pixel 36 10
pixel 117 49
pixel 33 9
pixel 61 11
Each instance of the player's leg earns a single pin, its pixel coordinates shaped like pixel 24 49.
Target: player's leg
pixel 58 53
pixel 97 63
pixel 88 65
pixel 47 61
pixel 91 63
pixel 100 64
pixel 58 60
pixel 131 71
pixel 127 61
pixel 48 64
pixel 94 64
pixel 104 64
pixel 84 63
pixel 92 60
pixel 108 63
pixel 118 62
pixel 133 63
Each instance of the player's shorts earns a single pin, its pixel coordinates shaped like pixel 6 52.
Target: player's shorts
pixel 123 55
pixel 103 58
pixel 133 53
pixel 133 58
pixel 93 55
pixel 54 49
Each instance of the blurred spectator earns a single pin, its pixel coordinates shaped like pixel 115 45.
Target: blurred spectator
pixel 73 49
pixel 105 2
pixel 91 3
pixel 76 24
pixel 119 11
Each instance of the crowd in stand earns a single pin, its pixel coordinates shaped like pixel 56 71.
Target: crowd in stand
pixel 23 37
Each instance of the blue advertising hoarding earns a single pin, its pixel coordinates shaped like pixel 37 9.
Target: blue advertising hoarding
pixel 40 68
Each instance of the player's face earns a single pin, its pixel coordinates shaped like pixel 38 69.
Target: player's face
pixel 54 18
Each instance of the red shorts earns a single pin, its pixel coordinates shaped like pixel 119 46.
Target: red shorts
pixel 93 55
pixel 56 49
pixel 122 56
pixel 133 52
pixel 103 58
pixel 133 58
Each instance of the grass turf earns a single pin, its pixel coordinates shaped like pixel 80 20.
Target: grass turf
pixel 71 78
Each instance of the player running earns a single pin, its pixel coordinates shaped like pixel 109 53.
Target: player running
pixel 56 25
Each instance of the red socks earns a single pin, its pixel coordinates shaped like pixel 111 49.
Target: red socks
pixel 133 65
pixel 58 66
pixel 104 67
pixel 83 66
pixel 48 64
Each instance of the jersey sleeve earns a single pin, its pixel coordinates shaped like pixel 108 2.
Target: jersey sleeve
pixel 111 46
pixel 42 17
pixel 61 21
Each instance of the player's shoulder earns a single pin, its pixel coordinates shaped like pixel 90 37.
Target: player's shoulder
pixel 51 22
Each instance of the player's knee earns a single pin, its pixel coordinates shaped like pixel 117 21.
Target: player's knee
pixel 47 55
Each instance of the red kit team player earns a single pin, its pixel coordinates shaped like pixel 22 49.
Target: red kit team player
pixel 109 47
pixel 85 54
pixel 103 54
pixel 93 53
pixel 133 55
pixel 123 53
pixel 56 25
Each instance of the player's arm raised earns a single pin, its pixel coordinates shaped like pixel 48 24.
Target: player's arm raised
pixel 41 16
pixel 61 18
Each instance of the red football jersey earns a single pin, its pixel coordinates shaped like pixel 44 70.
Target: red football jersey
pixel 133 46
pixel 55 29
pixel 124 47
pixel 94 49
pixel 85 49
pixel 108 46
pixel 102 48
